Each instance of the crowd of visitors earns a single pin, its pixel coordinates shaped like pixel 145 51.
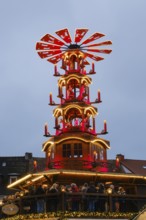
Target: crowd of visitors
pixel 87 197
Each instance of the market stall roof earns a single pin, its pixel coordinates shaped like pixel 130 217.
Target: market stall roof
pixel 62 176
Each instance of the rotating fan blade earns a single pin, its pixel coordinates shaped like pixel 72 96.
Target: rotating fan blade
pixel 107 51
pixel 86 62
pixel 79 34
pixel 49 53
pixel 96 58
pixel 92 38
pixel 53 40
pixel 45 46
pixel 55 59
pixel 100 44
pixel 65 35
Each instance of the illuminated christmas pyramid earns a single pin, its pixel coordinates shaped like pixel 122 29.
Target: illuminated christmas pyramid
pixel 76 144
pixel 76 154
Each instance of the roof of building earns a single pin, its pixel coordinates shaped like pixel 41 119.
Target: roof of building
pixel 134 166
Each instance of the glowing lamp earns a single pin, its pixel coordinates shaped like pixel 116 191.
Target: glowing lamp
pixel 117 162
pixel 35 164
pixel 94 154
pixel 109 190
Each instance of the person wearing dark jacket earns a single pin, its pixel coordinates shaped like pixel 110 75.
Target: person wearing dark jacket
pixel 40 200
pixel 75 199
pixel 53 203
pixel 84 189
pixel 91 198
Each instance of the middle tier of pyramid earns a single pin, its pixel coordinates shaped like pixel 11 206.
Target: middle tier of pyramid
pixel 75 112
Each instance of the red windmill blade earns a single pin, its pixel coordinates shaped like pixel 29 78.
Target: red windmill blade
pixel 96 58
pixel 53 40
pixel 55 59
pixel 100 44
pixel 65 35
pixel 92 38
pixel 79 34
pixel 54 49
pixel 45 46
pixel 49 53
pixel 86 62
pixel 107 51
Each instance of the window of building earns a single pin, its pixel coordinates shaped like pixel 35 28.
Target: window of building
pixel 101 154
pixel 4 164
pixel 95 151
pixel 78 150
pixel 98 152
pixel 126 170
pixel 72 150
pixel 52 155
pixel 13 179
pixel 66 150
pixel 1 177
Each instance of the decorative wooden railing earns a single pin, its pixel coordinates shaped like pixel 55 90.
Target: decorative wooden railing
pixel 82 164
pixel 60 202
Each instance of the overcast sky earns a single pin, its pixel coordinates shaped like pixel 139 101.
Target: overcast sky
pixel 26 80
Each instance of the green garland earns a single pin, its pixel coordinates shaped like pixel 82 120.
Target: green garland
pixel 65 215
